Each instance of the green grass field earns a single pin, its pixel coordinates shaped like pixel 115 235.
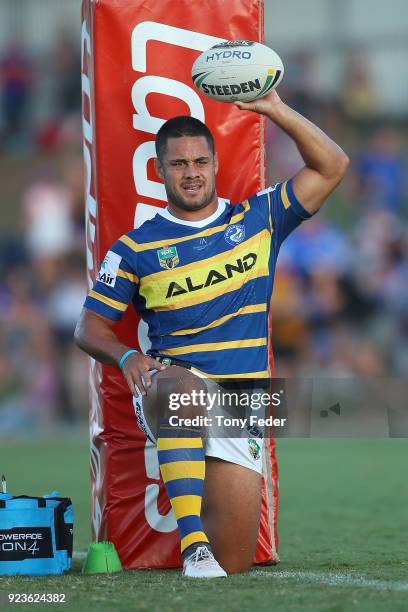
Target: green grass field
pixel 343 531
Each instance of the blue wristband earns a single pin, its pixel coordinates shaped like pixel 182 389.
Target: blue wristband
pixel 125 356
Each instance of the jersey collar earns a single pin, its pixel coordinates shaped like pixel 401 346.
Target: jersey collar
pixel 164 212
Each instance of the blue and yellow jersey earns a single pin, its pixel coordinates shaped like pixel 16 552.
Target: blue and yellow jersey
pixel 203 288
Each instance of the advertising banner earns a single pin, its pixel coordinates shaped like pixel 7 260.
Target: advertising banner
pixel 136 60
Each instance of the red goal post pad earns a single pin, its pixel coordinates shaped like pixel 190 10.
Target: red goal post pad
pixel 136 73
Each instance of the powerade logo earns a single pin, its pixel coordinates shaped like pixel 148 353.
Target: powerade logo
pixel 25 543
pixel 20 536
pixel 233 89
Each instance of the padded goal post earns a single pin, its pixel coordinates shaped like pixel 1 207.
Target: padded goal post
pixel 136 73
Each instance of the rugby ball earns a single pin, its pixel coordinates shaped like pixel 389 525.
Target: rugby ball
pixel 237 70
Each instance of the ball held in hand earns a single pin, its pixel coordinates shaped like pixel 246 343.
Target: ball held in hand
pixel 237 70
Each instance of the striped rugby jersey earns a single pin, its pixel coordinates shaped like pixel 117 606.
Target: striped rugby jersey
pixel 204 287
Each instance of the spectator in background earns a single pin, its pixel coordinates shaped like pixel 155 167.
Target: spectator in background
pixel 381 171
pixel 299 87
pixel 378 239
pixel 66 68
pixel 358 95
pixel 395 302
pixel 319 245
pixel 42 288
pixel 55 237
pixel 61 129
pixel 48 226
pixel 290 331
pixel 30 373
pixel 73 179
pixel 17 79
pixel 63 306
pixel 340 352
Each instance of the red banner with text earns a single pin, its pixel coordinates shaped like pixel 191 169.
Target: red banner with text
pixel 136 73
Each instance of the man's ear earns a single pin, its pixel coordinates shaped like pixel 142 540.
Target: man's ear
pixel 216 163
pixel 158 167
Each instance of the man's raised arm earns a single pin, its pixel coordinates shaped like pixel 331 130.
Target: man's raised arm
pixel 325 162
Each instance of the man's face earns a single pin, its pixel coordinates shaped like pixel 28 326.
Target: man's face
pixel 188 170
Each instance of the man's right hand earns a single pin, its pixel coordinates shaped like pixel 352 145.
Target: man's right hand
pixel 136 370
pixel 95 336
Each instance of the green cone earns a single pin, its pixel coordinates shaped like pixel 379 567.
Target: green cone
pixel 102 558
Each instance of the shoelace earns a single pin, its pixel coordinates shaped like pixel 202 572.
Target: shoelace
pixel 202 554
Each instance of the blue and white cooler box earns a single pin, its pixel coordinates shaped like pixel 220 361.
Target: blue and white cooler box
pixel 36 534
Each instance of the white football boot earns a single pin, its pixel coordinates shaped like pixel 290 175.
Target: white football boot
pixel 201 564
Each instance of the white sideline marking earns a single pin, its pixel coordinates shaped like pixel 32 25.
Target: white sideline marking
pixel 332 579
pixel 336 580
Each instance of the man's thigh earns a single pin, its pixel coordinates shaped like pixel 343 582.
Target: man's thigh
pixel 174 380
pixel 231 513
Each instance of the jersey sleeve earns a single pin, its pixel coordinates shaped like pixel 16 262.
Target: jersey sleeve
pixel 285 211
pixel 116 282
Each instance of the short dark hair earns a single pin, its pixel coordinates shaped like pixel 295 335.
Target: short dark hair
pixel 183 125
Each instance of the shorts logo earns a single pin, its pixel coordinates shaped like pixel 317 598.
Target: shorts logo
pixel 168 257
pixel 254 449
pixel 109 269
pixel 234 234
pixel 165 361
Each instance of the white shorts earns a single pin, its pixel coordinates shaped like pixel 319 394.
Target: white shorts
pixel 246 451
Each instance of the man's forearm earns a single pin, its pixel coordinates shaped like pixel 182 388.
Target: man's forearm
pixel 100 342
pixel 95 336
pixel 318 151
pixel 325 162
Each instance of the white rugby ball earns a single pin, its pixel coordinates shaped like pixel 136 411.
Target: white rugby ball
pixel 235 70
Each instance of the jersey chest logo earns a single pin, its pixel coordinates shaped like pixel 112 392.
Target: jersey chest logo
pixel 234 234
pixel 168 257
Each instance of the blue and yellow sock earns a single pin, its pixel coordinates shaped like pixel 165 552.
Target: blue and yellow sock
pixel 182 465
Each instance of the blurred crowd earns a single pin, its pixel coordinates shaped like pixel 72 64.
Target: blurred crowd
pixel 340 305
pixel 43 377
